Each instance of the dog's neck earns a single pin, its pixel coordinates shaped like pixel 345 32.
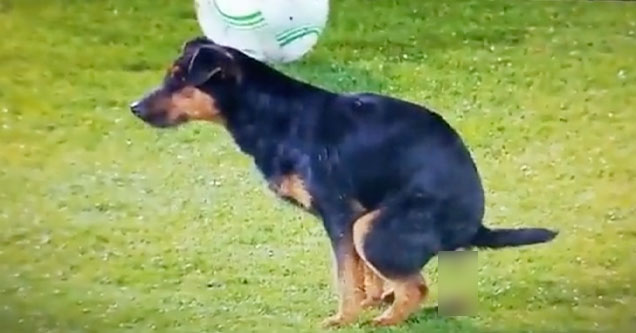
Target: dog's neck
pixel 264 107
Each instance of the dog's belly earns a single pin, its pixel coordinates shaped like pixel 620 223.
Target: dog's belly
pixel 371 181
pixel 372 191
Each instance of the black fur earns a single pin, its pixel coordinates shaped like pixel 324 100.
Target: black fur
pixel 511 237
pixel 387 154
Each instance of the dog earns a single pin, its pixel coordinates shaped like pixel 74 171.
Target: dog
pixel 391 181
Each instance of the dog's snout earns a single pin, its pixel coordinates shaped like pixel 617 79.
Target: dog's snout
pixel 135 107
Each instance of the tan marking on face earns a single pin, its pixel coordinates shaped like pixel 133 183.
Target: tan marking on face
pixel 293 187
pixel 191 103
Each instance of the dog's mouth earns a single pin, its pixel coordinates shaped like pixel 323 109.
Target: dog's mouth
pixel 159 123
pixel 160 120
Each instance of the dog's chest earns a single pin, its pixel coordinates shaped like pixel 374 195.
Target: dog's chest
pixel 288 172
pixel 292 187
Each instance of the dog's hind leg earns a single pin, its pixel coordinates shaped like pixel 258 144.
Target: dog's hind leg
pixel 373 287
pixel 396 251
pixel 408 294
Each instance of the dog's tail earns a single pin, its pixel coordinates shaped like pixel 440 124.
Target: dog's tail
pixel 496 238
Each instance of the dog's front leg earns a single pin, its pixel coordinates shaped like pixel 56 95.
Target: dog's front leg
pixel 349 270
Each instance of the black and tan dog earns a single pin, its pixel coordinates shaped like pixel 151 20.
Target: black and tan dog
pixel 392 181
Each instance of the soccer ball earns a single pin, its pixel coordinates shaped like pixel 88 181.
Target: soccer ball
pixel 268 30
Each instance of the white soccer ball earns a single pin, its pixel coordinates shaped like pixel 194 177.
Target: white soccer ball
pixel 268 30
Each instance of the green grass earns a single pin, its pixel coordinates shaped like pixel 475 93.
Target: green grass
pixel 111 226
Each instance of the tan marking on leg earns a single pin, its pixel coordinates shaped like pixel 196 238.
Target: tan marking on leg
pixel 373 280
pixel 409 294
pixel 373 287
pixel 360 278
pixel 361 228
pixel 293 187
pixel 350 283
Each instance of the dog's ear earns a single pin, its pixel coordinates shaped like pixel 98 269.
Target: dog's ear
pixel 209 61
pixel 194 43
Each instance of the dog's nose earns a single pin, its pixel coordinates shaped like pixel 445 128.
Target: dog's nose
pixel 135 108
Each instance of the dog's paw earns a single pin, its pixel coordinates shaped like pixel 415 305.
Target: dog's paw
pixel 385 320
pixel 336 321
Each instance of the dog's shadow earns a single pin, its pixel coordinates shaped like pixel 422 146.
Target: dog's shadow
pixel 427 319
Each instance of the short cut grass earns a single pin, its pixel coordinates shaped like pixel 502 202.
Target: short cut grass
pixel 109 225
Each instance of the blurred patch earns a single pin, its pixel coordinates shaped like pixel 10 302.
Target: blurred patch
pixel 457 283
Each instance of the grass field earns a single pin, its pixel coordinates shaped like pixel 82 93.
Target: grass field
pixel 111 226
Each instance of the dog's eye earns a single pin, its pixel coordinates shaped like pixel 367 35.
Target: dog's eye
pixel 175 72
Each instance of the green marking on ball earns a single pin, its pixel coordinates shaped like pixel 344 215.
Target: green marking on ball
pixel 299 33
pixel 286 33
pixel 248 21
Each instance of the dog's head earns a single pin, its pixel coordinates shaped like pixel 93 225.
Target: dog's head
pixel 192 87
